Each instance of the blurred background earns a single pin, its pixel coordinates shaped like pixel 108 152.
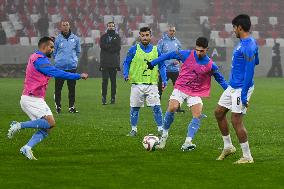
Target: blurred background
pixel 23 22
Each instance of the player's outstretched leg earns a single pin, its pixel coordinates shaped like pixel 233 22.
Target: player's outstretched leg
pixel 193 127
pixel 134 115
pixel 158 116
pixel 14 128
pixel 36 124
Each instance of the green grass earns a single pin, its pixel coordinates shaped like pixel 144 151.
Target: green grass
pixel 91 150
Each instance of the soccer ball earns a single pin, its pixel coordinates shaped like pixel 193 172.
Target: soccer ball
pixel 150 142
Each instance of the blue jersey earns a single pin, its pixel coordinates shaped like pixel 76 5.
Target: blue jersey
pixel 166 45
pixel 66 52
pixel 245 57
pixel 182 55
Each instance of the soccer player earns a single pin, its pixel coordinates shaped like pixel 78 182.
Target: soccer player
pixel 237 95
pixel 38 72
pixel 144 82
pixel 193 83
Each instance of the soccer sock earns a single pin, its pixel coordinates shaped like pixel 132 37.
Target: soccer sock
pixel 188 140
pixel 158 116
pixel 246 150
pixel 227 141
pixel 37 137
pixel 36 124
pixel 134 115
pixel 193 127
pixel 169 118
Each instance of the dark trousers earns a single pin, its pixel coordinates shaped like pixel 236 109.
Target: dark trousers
pixel 106 74
pixel 275 70
pixel 71 90
pixel 170 75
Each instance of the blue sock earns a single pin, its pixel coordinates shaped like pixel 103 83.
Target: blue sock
pixel 193 127
pixel 37 137
pixel 169 118
pixel 158 116
pixel 134 115
pixel 36 124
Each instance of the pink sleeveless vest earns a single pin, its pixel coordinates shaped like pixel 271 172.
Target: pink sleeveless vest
pixel 35 82
pixel 194 79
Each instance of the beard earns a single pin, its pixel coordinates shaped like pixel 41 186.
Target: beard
pixel 111 32
pixel 145 42
pixel 48 55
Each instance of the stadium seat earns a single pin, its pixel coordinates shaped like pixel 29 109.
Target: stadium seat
pixel 269 42
pixel 95 33
pixel 255 34
pixel 228 27
pixel 273 20
pixel 229 42
pixel 219 42
pixel 280 41
pixel 203 18
pixel 34 41
pixel 89 40
pixel 214 34
pixel 108 18
pixel 55 18
pixel 254 20
pixel 163 27
pixel 34 18
pixel 24 41
pixel 140 25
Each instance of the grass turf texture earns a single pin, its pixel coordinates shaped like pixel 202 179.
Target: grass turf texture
pixel 91 150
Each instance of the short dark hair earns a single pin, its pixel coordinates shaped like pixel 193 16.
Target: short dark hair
pixel 242 20
pixel 44 40
pixel 111 22
pixel 145 29
pixel 202 42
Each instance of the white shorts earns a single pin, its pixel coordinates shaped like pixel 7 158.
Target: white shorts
pixel 141 92
pixel 34 107
pixel 231 99
pixel 181 97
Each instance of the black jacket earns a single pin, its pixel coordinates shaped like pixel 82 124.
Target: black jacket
pixel 110 51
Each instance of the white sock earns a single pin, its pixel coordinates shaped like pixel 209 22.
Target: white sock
pixel 134 128
pixel 246 150
pixel 188 140
pixel 160 128
pixel 165 132
pixel 227 141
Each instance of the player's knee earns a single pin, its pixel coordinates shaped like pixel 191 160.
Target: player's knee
pixel 51 123
pixel 236 119
pixel 218 114
pixel 173 108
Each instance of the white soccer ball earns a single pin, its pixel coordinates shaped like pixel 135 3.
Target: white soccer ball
pixel 150 142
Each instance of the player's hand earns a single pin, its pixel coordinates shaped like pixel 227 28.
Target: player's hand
pixel 150 67
pixel 84 76
pixel 176 62
pixel 246 104
pixel 164 85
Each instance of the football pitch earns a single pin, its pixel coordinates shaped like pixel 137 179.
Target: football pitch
pixel 91 149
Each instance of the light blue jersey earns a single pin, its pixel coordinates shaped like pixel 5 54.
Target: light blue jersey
pixel 245 57
pixel 169 44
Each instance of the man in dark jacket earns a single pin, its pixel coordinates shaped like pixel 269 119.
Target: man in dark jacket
pixel 110 44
